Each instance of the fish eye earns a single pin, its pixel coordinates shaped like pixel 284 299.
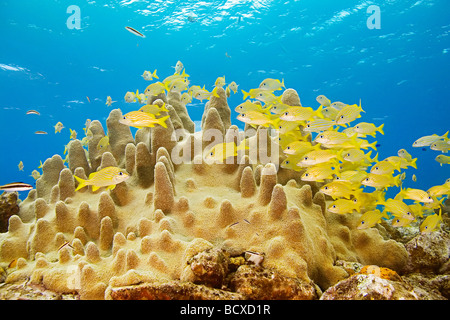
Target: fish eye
pixel 398 220
pixel 286 113
pixel 243 114
pixel 306 174
pixel 376 168
pixel 366 179
pixel 308 125
pixel 289 148
pixel 287 162
pixel 356 127
pixel 305 158
pixel 124 117
pixel 211 153
pixel 342 117
pixel 325 188
pixel 333 206
pixel 408 213
pixel 120 173
pixel 348 154
pixel 321 136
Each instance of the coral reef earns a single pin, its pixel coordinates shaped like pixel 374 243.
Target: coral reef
pixel 181 228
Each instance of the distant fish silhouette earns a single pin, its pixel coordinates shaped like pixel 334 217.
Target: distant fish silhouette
pixel 135 32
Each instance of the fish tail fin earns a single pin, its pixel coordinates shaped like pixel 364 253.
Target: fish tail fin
pixel 162 121
pixel 375 159
pixel 373 145
pixel 163 108
pixel 368 156
pixel 246 94
pixel 214 93
pixel 413 163
pixel 154 75
pixel 81 183
pixel 318 113
pixel 397 181
pixel 380 129
pixel 384 215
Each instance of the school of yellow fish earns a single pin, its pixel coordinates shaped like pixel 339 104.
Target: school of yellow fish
pixel 339 157
pixel 342 159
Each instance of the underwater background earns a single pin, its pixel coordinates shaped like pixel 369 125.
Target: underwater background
pixel 399 71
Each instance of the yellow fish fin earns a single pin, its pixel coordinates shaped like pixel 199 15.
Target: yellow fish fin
pixel 246 94
pixel 162 121
pixel 81 183
pixel 154 75
pixel 111 187
pixel 95 188
pixel 214 92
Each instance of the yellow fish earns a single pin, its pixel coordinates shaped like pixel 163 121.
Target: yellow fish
pixel 301 114
pixel 381 180
pixel 141 120
pixel 338 105
pixel 252 93
pixel 348 114
pixel 431 223
pixel 440 145
pixel 107 177
pixel 186 98
pixel 20 166
pixel 324 101
pixel 403 162
pixel 221 151
pixel 176 76
pixel 268 97
pixel 414 194
pixel 131 96
pixel 155 88
pixel 443 159
pixel 178 85
pixel 109 101
pixel 368 129
pixel 342 206
pixel 220 82
pixel 35 174
pixel 357 155
pixel 147 75
pixel 285 127
pixel 233 87
pixel 178 67
pixel 203 94
pixel 291 163
pixel 398 208
pixel 428 140
pixel 250 106
pixel 385 167
pixel 370 219
pixel 352 176
pixel 255 118
pixel 299 147
pixel 329 138
pixel 339 189
pixel 103 143
pixel 58 127
pixel 320 172
pixel 73 134
pixel 319 125
pixel 153 109
pixel 272 84
pixel 404 154
pixel 330 113
pixel 318 156
pixel 437 191
pixel 401 222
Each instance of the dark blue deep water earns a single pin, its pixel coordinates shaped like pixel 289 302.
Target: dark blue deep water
pixel 399 71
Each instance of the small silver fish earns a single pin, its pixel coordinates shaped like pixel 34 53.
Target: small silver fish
pixel 33 112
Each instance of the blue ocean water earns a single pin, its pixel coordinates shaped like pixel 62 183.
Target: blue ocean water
pixel 399 71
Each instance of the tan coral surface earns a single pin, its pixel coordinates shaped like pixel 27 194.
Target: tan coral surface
pixel 151 226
